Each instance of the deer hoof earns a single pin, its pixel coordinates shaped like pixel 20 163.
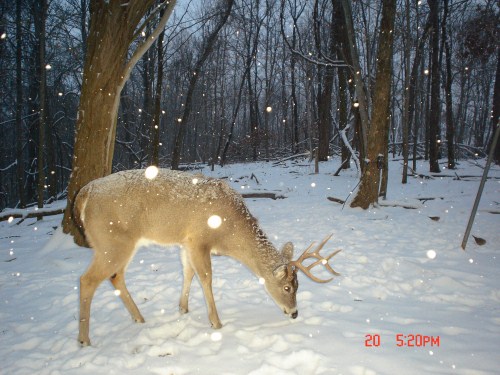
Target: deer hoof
pixel 217 325
pixel 84 343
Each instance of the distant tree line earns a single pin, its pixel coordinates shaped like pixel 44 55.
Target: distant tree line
pixel 246 80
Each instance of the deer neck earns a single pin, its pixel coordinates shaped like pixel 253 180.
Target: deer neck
pixel 257 253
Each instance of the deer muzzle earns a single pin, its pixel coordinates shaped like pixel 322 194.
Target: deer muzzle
pixel 293 313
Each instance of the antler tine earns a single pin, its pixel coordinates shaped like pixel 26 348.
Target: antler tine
pixel 320 259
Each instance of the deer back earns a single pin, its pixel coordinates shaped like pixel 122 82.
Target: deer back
pixel 167 209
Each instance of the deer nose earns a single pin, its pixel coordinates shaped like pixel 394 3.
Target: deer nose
pixel 295 314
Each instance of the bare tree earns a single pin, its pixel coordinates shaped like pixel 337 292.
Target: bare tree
pixel 378 133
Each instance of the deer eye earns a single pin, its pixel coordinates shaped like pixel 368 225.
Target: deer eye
pixel 287 288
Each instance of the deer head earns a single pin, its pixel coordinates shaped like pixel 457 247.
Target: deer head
pixel 284 285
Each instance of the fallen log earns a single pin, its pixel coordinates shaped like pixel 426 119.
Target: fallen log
pixel 273 196
pixel 22 214
pixel 336 200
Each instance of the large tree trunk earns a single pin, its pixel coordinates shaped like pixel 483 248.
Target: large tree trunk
pixel 377 137
pixel 113 28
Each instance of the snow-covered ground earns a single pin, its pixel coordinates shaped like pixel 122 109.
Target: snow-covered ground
pixel 403 274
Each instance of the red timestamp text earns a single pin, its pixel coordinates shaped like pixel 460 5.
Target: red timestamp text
pixel 405 340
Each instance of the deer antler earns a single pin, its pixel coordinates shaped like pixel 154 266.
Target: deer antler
pixel 297 264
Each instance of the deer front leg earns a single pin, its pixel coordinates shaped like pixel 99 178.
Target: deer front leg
pixel 188 273
pixel 199 258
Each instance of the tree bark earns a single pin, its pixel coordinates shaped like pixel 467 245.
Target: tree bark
pixel 377 137
pixel 113 28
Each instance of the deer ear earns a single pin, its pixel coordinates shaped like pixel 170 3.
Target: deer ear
pixel 280 272
pixel 287 251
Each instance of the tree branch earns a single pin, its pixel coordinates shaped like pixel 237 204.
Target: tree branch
pixel 141 50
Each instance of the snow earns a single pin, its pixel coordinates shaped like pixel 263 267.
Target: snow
pixel 402 273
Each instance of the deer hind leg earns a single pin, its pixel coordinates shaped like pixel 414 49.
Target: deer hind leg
pixel 89 282
pixel 188 273
pixel 118 281
pixel 104 265
pixel 199 258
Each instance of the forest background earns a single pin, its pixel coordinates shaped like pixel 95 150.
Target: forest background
pixel 243 80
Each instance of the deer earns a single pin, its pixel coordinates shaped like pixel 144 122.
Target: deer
pixel 201 215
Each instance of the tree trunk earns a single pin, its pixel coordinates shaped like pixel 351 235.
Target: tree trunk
pixel 19 108
pixel 112 30
pixel 413 119
pixel 450 126
pixel 360 87
pixel 435 104
pixel 295 108
pixel 344 89
pixel 325 90
pixel 406 93
pixel 146 114
pixel 496 109
pixel 42 99
pixel 156 122
pixel 377 137
pixel 253 117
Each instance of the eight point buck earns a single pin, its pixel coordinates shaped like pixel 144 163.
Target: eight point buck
pixel 203 215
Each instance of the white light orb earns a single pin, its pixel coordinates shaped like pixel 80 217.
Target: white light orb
pixel 151 172
pixel 214 221
pixel 216 336
pixel 431 254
